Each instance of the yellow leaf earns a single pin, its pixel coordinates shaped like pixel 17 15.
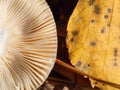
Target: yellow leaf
pixel 93 40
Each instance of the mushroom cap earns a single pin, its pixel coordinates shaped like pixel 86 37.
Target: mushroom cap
pixel 28 44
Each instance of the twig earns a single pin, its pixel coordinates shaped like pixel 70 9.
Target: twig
pixel 77 71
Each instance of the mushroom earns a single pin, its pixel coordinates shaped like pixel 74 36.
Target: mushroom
pixel 28 44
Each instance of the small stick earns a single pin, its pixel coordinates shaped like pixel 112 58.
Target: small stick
pixel 77 71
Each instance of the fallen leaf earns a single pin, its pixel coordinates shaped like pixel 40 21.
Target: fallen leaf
pixel 93 40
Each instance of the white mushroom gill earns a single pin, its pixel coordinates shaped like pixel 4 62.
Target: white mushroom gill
pixel 28 44
pixel 3 38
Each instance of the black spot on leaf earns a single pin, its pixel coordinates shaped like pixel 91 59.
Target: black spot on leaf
pixel 115 52
pixel 106 16
pixel 79 63
pixel 96 9
pixel 108 24
pixel 88 65
pixel 109 10
pixel 103 30
pixel 74 33
pixel 92 43
pixel 90 2
pixel 92 21
pixel 72 39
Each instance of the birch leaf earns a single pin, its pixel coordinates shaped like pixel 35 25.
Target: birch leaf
pixel 93 40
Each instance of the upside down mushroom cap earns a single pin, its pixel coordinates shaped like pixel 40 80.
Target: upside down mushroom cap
pixel 28 44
